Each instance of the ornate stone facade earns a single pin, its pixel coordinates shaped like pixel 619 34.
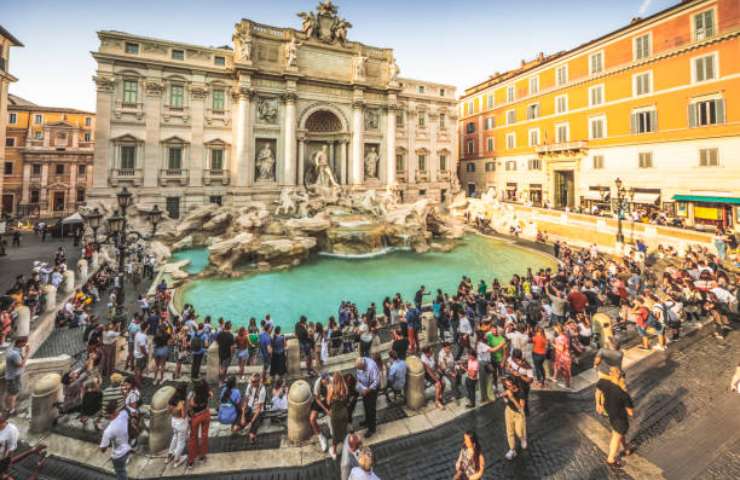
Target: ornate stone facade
pixel 184 125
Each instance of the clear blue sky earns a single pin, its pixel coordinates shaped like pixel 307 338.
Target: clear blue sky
pixel 459 42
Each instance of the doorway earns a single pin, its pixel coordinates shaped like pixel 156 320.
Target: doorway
pixel 7 203
pixel 471 189
pixel 564 189
pixel 58 201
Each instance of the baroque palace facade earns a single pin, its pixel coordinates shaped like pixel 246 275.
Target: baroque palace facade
pixel 655 104
pixel 184 125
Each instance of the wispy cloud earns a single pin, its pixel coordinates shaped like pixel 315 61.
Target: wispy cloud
pixel 644 6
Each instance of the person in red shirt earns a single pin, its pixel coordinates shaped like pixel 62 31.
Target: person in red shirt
pixel 578 300
pixel 644 321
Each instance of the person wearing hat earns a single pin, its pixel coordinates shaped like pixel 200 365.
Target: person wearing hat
pixel 15 365
pixel 113 391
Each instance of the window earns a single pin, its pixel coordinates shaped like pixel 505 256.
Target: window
pixel 12 118
pixel 400 164
pixel 641 47
pixel 487 123
pixel 420 89
pixel 87 136
pixel 216 200
pixel 130 92
pixel 128 157
pixel 422 161
pixel 645 160
pixel 173 207
pixel 562 133
pixel 534 164
pixel 471 107
pixel 88 121
pixel 706 112
pixel 422 120
pixel 709 157
pixel 38 135
pixel 534 85
pixel 596 95
pixel 80 195
pixel 442 92
pixel 442 120
pixel 561 104
pixel 490 166
pixel 561 75
pixel 177 96
pixel 489 144
pixel 470 127
pixel 598 162
pixel 36 169
pixel 38 118
pixel 8 170
pixel 422 192
pixel 470 147
pixel 642 83
pixel 597 128
pixel 174 158
pixel 59 169
pixel 490 101
pixel 510 117
pixel 470 167
pixel 132 48
pixel 704 68
pixel 596 63
pixel 217 160
pixel 10 142
pixel 511 165
pixel 399 119
pixel 644 121
pixel 443 163
pixel 534 137
pixel 35 196
pixel 81 169
pixel 533 111
pixel 510 141
pixel 510 94
pixel 178 54
pixel 704 25
pixel 220 61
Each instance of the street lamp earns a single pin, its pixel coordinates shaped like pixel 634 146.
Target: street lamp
pixel 622 195
pixel 154 216
pixel 124 198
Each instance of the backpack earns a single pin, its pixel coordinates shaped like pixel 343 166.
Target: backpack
pixel 670 316
pixel 196 343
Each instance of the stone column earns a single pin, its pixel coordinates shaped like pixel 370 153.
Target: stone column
pixel 390 155
pixel 332 156
pixel 356 169
pixel 51 297
pixel 68 282
pixel 104 155
pixel 289 163
pixel 44 194
pixel 72 191
pixel 301 159
pixel 429 325
pixel 152 159
pixel 23 325
pixel 240 168
pixel 299 406
pixel 415 399
pixel 160 428
pixel 212 363
pixel 343 160
pixel 45 393
pixel 197 162
pixel 293 357
pixel 26 195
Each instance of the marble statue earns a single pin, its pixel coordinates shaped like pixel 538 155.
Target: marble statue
pixel 387 199
pixel 287 203
pixel 341 29
pixel 369 202
pixel 267 110
pixel 243 42
pixel 360 62
pixel 371 163
pixel 310 23
pixel 395 70
pixel 266 164
pixel 324 24
pixel 326 7
pixel 372 120
pixel 291 53
pixel 324 175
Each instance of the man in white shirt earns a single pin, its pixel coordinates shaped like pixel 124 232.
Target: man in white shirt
pixel 115 436
pixel 253 403
pixel 8 444
pixel 141 352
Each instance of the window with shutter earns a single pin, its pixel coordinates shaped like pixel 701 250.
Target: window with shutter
pixel 645 160
pixel 704 68
pixel 708 157
pixel 704 25
pixel 644 121
pixel 175 158
pixel 707 112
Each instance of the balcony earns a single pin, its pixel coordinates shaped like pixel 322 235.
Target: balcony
pixel 214 177
pixel 422 176
pixel 443 175
pixel 173 175
pixel 132 176
pixel 561 148
pixel 401 177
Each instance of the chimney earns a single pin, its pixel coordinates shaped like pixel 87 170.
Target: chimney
pixel 523 62
pixel 541 56
pixel 635 20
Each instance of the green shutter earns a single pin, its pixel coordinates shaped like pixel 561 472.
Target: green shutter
pixel 720 105
pixel 692 115
pixel 654 121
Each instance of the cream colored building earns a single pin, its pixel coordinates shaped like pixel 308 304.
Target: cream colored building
pixel 7 40
pixel 184 125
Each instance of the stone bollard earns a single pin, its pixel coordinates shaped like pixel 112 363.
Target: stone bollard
pixel 212 364
pixel 415 399
pixel 429 325
pixel 160 427
pixel 82 268
pixel 68 282
pixel 293 357
pixel 23 325
pixel 299 408
pixel 51 297
pixel 45 394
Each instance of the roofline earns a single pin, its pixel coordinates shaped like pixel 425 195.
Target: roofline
pixel 632 25
pixel 431 84
pixel 41 108
pixel 126 35
pixel 10 37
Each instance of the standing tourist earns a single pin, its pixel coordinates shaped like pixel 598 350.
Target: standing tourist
pixel 540 349
pixel 350 454
pixel 515 417
pixel 265 345
pixel 368 382
pixel 472 367
pixel 278 361
pixel 200 419
pixel 197 351
pixel 563 360
pixel 141 352
pixel 618 406
pixel 319 405
pixel 226 345
pixel 470 463
pixel 242 350
pixel 15 365
pixel 8 445
pixel 180 427
pixel 431 374
pixel 161 353
pixel 338 398
pixel 108 350
pixel 115 436
pixel 306 343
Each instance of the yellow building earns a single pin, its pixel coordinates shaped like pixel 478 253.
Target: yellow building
pixel 6 42
pixel 48 159
pixel 655 103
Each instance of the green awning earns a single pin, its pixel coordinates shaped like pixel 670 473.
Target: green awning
pixel 706 199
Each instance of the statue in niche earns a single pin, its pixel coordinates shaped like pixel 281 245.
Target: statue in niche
pixel 360 63
pixel 324 175
pixel 243 42
pixel 267 110
pixel 291 53
pixel 372 120
pixel 371 163
pixel 265 164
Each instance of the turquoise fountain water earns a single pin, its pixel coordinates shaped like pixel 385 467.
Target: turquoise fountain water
pixel 317 287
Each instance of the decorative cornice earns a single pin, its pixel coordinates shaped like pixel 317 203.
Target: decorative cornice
pixel 104 84
pixel 198 91
pixel 153 88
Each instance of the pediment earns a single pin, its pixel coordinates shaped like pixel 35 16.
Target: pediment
pixel 126 138
pixel 175 140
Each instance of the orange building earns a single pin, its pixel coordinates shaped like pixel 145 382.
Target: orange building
pixel 47 170
pixel 655 103
pixel 7 41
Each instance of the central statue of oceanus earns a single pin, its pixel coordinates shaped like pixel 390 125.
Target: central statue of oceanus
pixel 319 173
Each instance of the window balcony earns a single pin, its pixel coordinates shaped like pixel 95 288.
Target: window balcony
pixel 443 175
pixel 133 176
pixel 213 177
pixel 173 175
pixel 422 176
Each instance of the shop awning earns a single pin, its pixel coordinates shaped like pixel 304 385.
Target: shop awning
pixel 646 198
pixel 594 195
pixel 706 199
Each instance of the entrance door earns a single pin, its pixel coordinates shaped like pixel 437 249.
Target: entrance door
pixel 7 203
pixel 564 189
pixel 471 189
pixel 58 201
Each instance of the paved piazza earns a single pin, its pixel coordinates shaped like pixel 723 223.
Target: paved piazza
pixel 370 240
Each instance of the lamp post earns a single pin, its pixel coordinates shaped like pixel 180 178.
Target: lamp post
pixel 622 195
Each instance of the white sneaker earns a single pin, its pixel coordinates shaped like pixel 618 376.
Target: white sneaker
pixel 510 454
pixel 523 444
pixel 324 444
